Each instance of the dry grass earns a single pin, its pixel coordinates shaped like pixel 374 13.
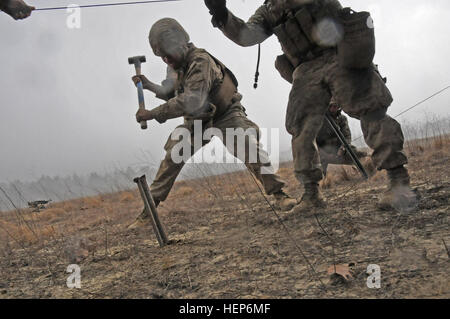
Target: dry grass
pixel 9 228
pixel 25 236
pixel 185 191
pixel 126 197
pixel 93 202
pixel 193 206
pixel 345 174
pixel 69 206
pixel 51 215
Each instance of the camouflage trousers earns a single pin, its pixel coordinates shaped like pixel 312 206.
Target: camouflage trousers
pixel 169 170
pixel 362 94
pixel 329 155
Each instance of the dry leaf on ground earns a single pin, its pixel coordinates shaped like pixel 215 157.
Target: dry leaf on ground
pixel 342 270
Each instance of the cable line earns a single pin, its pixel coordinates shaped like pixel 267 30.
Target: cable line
pixel 105 5
pixel 423 101
pixel 414 106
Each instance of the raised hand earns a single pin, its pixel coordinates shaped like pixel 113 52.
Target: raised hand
pixel 218 9
pixel 17 9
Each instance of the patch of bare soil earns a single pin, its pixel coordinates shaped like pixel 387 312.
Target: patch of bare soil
pixel 228 243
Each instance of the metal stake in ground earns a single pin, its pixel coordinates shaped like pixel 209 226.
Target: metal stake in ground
pixel 150 207
pixel 344 143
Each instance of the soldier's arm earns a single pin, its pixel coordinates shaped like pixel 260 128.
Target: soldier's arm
pixel 197 85
pixel 245 34
pixel 17 9
pixel 163 91
pixel 166 90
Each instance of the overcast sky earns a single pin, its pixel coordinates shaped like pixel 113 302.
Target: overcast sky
pixel 67 102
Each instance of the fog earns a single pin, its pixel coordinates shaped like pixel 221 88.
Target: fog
pixel 68 104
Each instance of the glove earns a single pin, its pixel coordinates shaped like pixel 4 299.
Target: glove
pixel 219 11
pixel 17 9
pixel 141 78
pixel 144 115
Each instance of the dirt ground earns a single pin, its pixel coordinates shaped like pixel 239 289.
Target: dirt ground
pixel 228 243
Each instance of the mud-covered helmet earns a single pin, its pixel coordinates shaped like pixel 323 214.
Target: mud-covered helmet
pixel 167 36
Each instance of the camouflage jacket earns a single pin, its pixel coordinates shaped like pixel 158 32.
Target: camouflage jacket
pixel 191 92
pixel 261 25
pixel 327 136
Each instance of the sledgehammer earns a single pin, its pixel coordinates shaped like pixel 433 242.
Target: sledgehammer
pixel 137 60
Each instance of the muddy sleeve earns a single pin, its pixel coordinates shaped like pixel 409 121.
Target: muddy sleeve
pixel 246 34
pixel 197 84
pixel 163 91
pixel 166 90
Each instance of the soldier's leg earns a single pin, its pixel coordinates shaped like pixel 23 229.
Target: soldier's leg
pixel 308 102
pixel 254 157
pixel 324 156
pixel 329 155
pixel 384 135
pixel 364 95
pixel 172 164
pixel 168 172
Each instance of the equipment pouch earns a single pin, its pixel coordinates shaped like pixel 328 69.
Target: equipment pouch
pixel 285 68
pixel 288 46
pixel 357 49
pixel 297 36
pixel 305 20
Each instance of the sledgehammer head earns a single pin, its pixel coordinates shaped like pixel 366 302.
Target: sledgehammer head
pixel 137 60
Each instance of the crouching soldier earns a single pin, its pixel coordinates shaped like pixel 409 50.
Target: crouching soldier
pixel 200 88
pixel 330 148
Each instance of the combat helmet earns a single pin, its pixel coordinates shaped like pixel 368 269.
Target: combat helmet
pixel 167 36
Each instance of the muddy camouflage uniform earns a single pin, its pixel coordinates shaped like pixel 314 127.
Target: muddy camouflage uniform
pixel 317 77
pixel 329 144
pixel 195 89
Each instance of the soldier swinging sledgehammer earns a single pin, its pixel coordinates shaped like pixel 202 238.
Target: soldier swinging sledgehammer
pixel 200 87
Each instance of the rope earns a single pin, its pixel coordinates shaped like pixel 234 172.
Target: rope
pixel 414 106
pixel 423 101
pixel 105 5
pixel 288 233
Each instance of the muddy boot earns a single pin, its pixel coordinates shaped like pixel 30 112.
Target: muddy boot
pixel 283 201
pixel 143 219
pixel 312 199
pixel 399 194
